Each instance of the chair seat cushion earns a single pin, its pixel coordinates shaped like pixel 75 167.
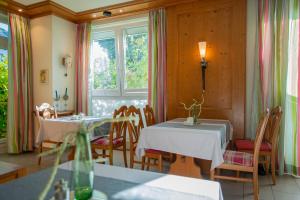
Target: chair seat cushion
pixel 249 145
pixel 153 151
pixel 238 158
pixel 105 141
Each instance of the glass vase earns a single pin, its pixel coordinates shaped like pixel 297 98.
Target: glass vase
pixel 83 172
pixel 194 115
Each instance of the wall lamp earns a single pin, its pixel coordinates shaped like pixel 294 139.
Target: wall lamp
pixel 202 51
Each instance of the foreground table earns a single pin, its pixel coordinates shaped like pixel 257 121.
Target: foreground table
pixel 207 140
pixel 119 183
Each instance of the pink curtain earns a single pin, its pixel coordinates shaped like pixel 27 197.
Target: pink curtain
pixel 275 78
pixel 19 118
pixel 82 66
pixel 157 63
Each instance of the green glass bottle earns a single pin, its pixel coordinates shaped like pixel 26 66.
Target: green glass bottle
pixel 83 172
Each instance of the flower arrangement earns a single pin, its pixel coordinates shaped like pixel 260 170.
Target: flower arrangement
pixel 195 108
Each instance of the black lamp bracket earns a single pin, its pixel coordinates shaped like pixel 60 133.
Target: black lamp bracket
pixel 203 63
pixel 203 66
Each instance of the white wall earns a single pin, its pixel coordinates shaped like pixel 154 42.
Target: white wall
pixel 52 39
pixel 63 43
pixel 41 37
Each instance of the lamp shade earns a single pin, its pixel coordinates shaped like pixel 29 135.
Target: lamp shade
pixel 202 49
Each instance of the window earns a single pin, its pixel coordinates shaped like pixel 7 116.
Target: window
pixel 119 66
pixel 136 58
pixel 3 74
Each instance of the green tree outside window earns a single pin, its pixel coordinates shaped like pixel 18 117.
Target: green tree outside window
pixel 3 95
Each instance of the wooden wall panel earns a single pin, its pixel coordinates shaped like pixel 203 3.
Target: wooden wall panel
pixel 221 23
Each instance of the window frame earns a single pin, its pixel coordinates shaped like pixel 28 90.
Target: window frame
pixel 4 20
pixel 119 30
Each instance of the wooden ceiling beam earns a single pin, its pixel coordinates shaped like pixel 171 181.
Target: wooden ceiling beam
pixel 48 7
pixel 13 7
pixel 126 9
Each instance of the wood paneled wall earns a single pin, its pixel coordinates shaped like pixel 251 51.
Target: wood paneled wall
pixel 222 24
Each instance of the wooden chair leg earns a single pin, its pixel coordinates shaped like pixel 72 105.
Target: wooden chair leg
pixel 40 157
pixel 103 153
pixel 143 162
pixel 111 157
pixel 125 154
pixel 160 164
pixel 255 186
pixel 212 174
pixel 148 163
pixel 267 164
pixel 273 168
pixel 131 158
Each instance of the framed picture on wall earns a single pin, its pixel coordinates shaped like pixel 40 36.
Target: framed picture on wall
pixel 44 76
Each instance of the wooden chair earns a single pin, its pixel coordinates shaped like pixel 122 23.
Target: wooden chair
pixel 116 140
pixel 134 133
pixel 244 162
pixel 45 111
pixel 149 115
pixel 269 146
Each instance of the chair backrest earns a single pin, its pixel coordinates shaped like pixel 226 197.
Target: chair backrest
pixel 119 128
pixel 45 111
pixel 133 129
pixel 273 124
pixel 259 137
pixel 276 115
pixel 149 115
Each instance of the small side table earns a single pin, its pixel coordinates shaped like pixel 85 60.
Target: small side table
pixel 9 171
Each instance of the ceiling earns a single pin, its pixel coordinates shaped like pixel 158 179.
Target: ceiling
pixel 78 5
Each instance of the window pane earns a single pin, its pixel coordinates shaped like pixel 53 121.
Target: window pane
pixel 104 63
pixel 136 58
pixel 3 75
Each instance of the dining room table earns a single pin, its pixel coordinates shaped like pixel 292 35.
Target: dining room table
pixel 207 139
pixel 57 129
pixel 117 183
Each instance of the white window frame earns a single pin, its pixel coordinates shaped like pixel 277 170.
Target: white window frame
pixel 118 28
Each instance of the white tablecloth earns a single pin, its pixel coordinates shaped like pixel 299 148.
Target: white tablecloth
pixel 203 189
pixel 206 140
pixel 57 129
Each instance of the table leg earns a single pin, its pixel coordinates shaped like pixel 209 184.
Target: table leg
pixel 71 153
pixel 22 172
pixel 185 166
